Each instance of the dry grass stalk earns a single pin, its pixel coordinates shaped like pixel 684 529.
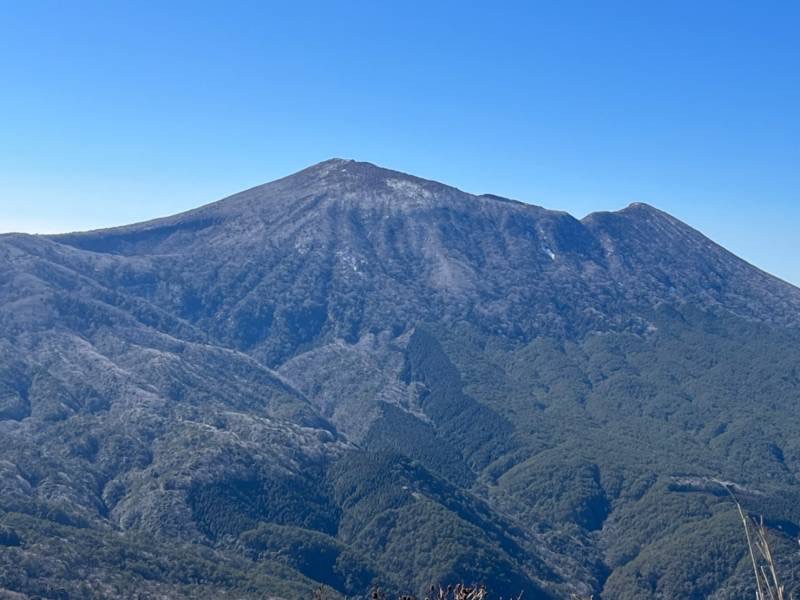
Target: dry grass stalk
pixel 768 582
pixel 451 592
pixel 458 592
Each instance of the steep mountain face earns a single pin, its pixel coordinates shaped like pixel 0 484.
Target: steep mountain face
pixel 345 248
pixel 353 376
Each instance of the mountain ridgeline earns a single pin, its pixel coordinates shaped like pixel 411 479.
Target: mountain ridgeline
pixel 353 377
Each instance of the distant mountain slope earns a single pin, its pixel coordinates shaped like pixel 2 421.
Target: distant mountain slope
pixel 282 264
pixel 353 376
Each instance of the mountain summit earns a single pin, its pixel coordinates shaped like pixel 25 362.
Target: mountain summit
pixel 353 376
pixel 345 232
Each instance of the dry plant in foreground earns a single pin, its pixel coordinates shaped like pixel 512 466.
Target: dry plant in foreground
pixel 768 582
pixel 451 592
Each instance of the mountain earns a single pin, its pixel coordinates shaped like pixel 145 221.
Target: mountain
pixel 352 376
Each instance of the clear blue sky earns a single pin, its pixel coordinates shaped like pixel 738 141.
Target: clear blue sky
pixel 115 112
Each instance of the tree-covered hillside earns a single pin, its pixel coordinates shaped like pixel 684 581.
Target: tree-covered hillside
pixel 352 378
